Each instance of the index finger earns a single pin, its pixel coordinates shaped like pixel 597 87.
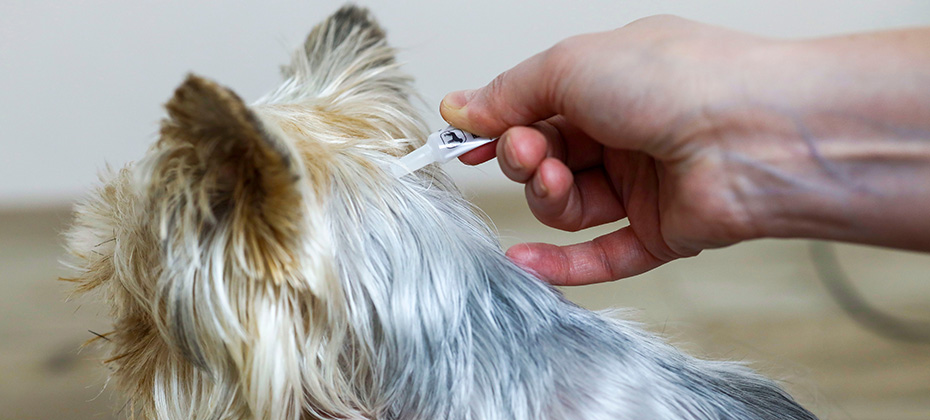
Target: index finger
pixel 481 154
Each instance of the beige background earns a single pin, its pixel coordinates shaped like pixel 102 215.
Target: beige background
pixel 758 302
pixel 81 84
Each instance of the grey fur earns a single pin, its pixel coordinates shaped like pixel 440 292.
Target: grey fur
pixel 457 331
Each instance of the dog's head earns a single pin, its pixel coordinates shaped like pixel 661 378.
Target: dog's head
pixel 216 251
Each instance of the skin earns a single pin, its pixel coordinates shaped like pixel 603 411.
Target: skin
pixel 704 137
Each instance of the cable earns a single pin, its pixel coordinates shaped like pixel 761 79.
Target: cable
pixel 831 274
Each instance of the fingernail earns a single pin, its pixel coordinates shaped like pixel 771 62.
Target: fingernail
pixel 522 256
pixel 458 100
pixel 510 153
pixel 538 187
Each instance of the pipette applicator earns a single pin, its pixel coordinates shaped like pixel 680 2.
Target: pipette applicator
pixel 441 147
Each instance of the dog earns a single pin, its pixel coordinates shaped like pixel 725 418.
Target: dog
pixel 260 262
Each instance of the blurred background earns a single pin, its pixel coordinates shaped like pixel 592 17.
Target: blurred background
pixel 82 83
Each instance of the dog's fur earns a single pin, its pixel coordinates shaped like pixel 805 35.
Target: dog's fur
pixel 261 262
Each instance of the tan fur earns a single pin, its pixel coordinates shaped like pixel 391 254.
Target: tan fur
pixel 213 252
pixel 219 152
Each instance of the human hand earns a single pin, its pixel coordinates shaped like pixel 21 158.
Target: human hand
pixel 699 136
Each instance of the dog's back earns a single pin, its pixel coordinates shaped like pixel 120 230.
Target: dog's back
pixel 457 316
pixel 261 262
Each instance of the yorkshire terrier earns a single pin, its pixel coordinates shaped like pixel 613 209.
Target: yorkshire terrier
pixel 261 262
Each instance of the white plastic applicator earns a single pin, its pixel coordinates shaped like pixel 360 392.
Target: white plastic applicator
pixel 441 146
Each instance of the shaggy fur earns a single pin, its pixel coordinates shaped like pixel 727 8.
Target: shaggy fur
pixel 261 262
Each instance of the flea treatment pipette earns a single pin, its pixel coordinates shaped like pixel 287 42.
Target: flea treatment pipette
pixel 441 147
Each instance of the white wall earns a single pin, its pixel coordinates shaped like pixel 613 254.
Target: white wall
pixel 82 83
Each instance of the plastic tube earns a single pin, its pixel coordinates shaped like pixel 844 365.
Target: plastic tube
pixel 441 147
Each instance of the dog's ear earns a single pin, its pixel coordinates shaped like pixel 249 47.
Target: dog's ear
pixel 229 202
pixel 220 167
pixel 346 56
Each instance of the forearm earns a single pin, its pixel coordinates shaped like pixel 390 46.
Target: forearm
pixel 840 140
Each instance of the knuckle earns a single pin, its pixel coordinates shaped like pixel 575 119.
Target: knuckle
pixel 571 219
pixel 656 21
pixel 491 105
pixel 514 174
pixel 496 87
pixel 567 62
pixel 554 145
pixel 556 66
pixel 559 58
pixel 604 259
pixel 561 51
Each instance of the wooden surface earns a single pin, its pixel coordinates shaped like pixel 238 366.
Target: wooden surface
pixel 758 302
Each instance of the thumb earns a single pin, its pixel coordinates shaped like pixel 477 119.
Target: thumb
pixel 520 96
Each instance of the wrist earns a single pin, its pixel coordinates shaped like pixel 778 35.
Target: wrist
pixel 829 145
